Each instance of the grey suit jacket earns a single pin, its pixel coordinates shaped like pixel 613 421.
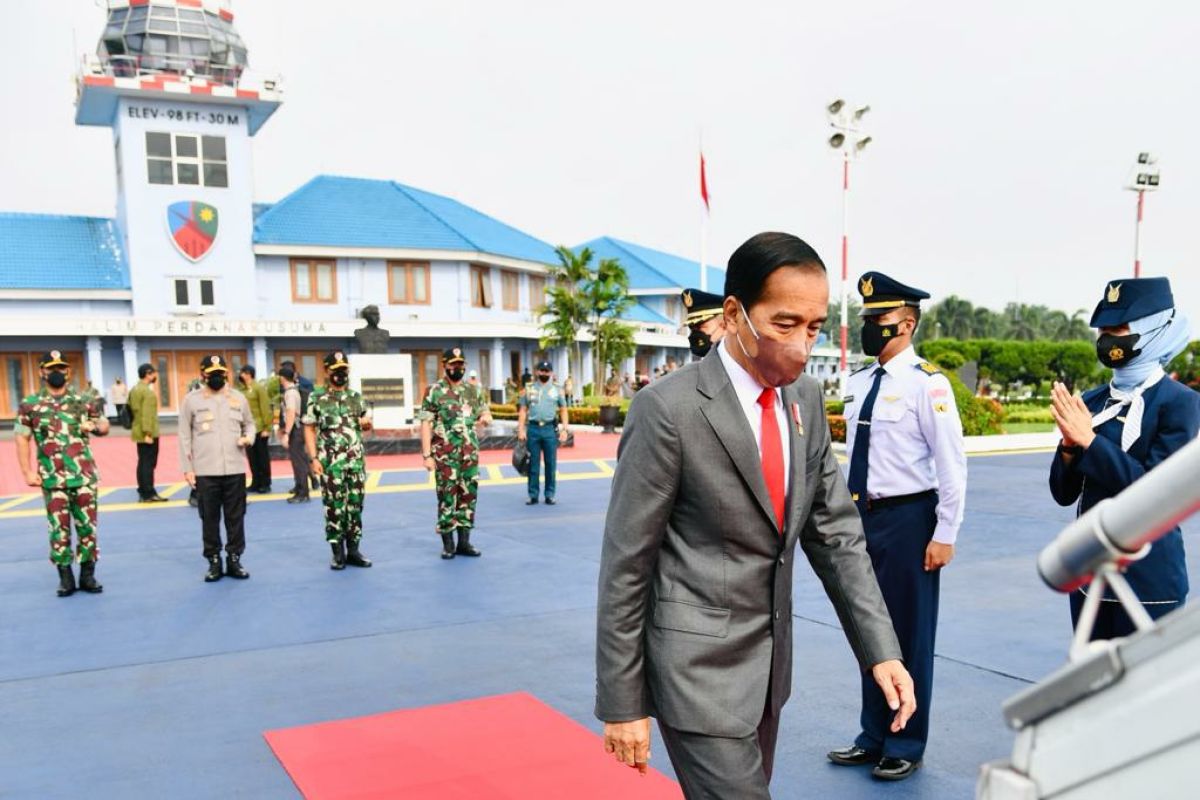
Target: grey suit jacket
pixel 694 624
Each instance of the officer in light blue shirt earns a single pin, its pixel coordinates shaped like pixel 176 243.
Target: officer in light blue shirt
pixel 542 421
pixel 908 477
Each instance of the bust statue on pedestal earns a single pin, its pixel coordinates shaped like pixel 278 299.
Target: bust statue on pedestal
pixel 372 339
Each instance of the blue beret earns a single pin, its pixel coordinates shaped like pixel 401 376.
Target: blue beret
pixel 1127 299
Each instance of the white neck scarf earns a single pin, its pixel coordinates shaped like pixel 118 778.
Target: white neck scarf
pixel 1133 399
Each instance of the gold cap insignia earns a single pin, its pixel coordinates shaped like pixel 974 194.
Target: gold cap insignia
pixel 1116 354
pixel 867 287
pixel 687 300
pixel 1114 293
pixel 55 354
pixel 456 352
pixel 215 359
pixel 338 355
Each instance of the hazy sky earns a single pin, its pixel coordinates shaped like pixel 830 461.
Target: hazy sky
pixel 1002 137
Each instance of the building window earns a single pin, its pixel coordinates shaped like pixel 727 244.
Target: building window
pixel 481 286
pixel 186 159
pixel 537 292
pixel 408 283
pixel 314 281
pixel 193 294
pixel 510 290
pixel 674 310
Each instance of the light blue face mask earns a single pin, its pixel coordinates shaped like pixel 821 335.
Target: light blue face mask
pixel 1162 336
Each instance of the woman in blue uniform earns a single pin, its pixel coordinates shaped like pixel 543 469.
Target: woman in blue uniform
pixel 1114 434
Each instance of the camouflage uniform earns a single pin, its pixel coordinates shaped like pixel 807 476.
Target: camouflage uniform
pixel 453 412
pixel 335 415
pixel 67 469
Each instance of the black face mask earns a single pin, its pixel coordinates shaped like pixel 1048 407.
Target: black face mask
pixel 56 379
pixel 699 343
pixel 875 336
pixel 215 381
pixel 543 378
pixel 339 378
pixel 455 375
pixel 1117 351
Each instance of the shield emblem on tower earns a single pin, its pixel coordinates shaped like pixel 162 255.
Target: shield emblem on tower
pixel 193 227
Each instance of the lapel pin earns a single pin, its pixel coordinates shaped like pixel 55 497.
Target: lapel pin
pixel 796 419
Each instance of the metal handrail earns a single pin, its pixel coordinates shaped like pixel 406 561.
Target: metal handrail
pixel 190 67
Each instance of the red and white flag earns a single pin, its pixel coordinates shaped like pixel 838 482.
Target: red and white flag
pixel 703 183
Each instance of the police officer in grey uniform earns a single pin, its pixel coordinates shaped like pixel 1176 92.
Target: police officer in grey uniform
pixel 542 421
pixel 908 477
pixel 215 427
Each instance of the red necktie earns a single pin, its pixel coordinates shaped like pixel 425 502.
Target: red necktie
pixel 772 454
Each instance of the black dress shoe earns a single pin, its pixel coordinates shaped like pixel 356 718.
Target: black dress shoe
pixel 263 490
pixel 894 769
pixel 852 756
pixel 298 498
pixel 550 501
pixel 154 498
pixel 533 501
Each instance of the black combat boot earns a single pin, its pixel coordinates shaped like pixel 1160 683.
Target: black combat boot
pixel 234 568
pixel 214 569
pixel 339 555
pixel 464 544
pixel 87 578
pixel 66 581
pixel 447 545
pixel 354 557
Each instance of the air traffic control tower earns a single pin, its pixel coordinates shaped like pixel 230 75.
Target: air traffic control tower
pixel 171 78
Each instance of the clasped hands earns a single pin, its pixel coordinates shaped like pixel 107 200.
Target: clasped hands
pixel 1072 416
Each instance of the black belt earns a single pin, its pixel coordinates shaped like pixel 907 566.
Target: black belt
pixel 880 503
pixel 553 422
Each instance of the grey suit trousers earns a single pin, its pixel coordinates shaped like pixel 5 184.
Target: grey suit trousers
pixel 721 768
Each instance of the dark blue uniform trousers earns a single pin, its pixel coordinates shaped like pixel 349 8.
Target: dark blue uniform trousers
pixel 896 540
pixel 542 440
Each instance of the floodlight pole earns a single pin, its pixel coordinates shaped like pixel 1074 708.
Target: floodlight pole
pixel 1137 235
pixel 843 364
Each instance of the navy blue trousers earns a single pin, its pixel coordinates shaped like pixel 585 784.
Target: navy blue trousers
pixel 896 541
pixel 542 441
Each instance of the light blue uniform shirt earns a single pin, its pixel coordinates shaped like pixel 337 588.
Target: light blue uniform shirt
pixel 916 437
pixel 543 401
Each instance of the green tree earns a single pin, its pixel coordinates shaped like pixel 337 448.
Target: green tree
pixel 607 294
pixel 567 310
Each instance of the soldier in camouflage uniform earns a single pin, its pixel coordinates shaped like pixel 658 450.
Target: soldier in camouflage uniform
pixel 60 422
pixel 333 426
pixel 450 449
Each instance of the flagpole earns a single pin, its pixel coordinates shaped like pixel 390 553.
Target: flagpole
pixel 703 221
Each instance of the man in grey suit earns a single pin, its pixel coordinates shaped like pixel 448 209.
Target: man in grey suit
pixel 724 465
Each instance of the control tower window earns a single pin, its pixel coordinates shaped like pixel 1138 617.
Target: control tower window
pixel 186 159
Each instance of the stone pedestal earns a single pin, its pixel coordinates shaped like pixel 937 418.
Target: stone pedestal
pixel 385 381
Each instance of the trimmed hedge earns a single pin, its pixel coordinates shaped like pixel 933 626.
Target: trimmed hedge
pixel 837 427
pixel 577 415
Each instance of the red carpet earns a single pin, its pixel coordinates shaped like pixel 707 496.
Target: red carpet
pixel 507 747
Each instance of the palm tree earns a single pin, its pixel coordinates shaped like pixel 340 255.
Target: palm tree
pixel 567 309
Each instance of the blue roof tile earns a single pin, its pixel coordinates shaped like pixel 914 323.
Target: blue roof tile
pixel 640 312
pixel 654 269
pixel 46 251
pixel 334 211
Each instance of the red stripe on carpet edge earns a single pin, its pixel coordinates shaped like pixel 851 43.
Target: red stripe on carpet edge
pixel 505 747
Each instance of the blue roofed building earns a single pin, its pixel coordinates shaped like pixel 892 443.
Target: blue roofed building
pixel 192 263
